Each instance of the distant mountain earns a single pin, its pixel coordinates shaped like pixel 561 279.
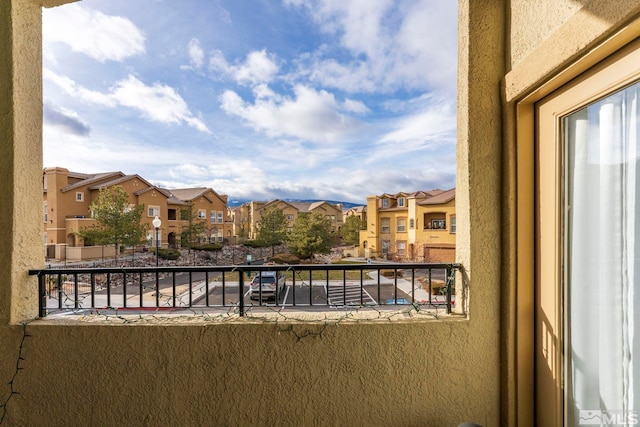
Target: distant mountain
pixel 345 205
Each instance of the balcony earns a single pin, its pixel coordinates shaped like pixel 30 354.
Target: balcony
pixel 310 287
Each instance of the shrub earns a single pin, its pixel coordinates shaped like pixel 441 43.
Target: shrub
pixel 391 273
pixel 169 254
pixel 256 244
pixel 285 259
pixel 210 247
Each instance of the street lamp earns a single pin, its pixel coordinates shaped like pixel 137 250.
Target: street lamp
pixel 233 251
pixel 156 224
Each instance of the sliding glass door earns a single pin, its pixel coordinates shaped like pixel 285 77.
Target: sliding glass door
pixel 587 242
pixel 602 260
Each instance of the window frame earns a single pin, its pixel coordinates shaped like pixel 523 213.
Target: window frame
pixel 523 269
pixel 153 211
pixel 602 80
pixel 385 225
pixel 79 196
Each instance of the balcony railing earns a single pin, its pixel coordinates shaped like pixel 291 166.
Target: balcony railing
pixel 308 287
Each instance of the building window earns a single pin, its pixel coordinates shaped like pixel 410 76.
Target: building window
pixel 438 224
pixel 212 217
pixel 153 211
pixel 401 202
pixel 401 247
pixel 412 223
pixel 202 214
pixel 289 217
pixel 220 218
pixel 45 212
pixel 79 196
pixel 385 247
pixel 452 224
pixel 402 225
pixel 385 226
pixel 385 203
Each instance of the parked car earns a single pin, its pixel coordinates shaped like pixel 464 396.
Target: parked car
pixel 264 284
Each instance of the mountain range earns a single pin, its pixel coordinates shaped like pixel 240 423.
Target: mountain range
pixel 345 205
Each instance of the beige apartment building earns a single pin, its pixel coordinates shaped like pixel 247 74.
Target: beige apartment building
pixel 418 226
pixel 67 197
pixel 246 217
pixel 500 361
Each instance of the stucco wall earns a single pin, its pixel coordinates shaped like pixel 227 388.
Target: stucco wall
pixel 428 373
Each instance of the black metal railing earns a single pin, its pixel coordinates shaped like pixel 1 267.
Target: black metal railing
pixel 82 290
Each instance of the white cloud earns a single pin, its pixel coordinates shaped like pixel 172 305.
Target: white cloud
pixel 429 123
pixel 218 64
pixel 92 33
pixel 196 54
pixel 259 67
pixel 312 115
pixel 158 102
pixel 391 44
pixel 357 107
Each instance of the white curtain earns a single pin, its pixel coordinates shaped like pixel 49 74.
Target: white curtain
pixel 602 261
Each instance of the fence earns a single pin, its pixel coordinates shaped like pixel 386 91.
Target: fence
pixel 81 290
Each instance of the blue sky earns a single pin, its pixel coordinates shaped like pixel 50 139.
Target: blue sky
pixel 257 99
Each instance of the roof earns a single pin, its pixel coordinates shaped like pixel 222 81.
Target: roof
pixel 88 179
pixel 189 194
pixel 120 180
pixel 357 209
pixel 440 198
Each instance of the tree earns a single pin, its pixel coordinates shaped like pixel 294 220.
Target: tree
pixel 118 223
pixel 311 234
pixel 272 227
pixel 350 230
pixel 195 228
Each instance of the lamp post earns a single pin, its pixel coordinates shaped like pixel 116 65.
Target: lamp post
pixel 156 224
pixel 233 251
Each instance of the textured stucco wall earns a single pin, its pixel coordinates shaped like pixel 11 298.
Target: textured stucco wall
pixel 428 373
pixel 376 375
pixel 20 157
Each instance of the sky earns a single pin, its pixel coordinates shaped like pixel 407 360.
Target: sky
pixel 257 99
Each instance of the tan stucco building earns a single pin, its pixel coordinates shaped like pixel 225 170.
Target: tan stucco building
pixel 418 226
pixel 67 197
pixel 495 364
pixel 246 217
